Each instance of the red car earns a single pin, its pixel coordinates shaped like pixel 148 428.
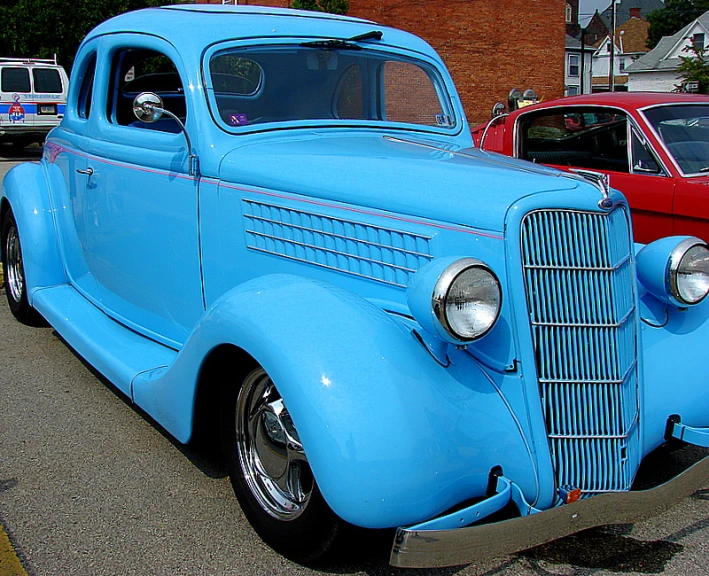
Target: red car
pixel 654 147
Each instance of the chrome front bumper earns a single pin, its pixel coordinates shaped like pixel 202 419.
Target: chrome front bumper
pixel 416 548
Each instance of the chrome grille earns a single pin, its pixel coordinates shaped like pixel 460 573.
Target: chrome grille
pixel 580 294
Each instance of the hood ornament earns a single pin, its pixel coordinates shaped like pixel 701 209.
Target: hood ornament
pixel 602 182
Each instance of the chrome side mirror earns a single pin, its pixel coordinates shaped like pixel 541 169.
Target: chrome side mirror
pixel 148 108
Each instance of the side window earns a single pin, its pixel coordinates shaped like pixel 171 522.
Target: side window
pixel 235 75
pixel 237 81
pixel 410 96
pixel 15 80
pixel 87 89
pixel 137 70
pixel 47 80
pixel 643 160
pixel 350 104
pixel 584 138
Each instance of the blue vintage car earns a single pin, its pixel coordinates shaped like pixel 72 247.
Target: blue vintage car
pixel 275 221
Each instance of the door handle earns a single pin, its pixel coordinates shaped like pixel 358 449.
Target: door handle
pixel 88 171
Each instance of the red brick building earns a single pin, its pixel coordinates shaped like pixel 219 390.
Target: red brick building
pixel 489 46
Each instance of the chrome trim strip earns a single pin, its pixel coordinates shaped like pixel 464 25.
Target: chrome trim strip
pixel 439 548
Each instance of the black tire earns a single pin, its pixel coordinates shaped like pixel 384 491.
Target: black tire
pixel 14 273
pixel 291 516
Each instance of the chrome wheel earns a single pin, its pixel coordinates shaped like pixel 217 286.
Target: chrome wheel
pixel 270 453
pixel 14 272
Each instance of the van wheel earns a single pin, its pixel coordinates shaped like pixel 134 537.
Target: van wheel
pixel 270 473
pixel 15 284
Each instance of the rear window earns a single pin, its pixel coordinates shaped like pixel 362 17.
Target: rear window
pixel 47 81
pixel 15 80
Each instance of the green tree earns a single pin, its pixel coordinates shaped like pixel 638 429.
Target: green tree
pixel 332 6
pixel 695 68
pixel 41 28
pixel 673 17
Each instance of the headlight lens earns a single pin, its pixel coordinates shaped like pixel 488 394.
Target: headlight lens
pixel 467 299
pixel 689 271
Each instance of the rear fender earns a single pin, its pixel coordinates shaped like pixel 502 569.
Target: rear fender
pixel 392 436
pixel 26 192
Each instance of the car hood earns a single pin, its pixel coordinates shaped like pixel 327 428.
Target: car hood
pixel 468 187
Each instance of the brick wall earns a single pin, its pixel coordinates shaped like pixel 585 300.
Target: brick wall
pixel 489 46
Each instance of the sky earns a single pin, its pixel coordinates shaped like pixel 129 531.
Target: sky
pixel 588 7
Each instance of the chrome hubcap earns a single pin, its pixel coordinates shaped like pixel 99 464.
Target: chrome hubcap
pixel 270 453
pixel 14 272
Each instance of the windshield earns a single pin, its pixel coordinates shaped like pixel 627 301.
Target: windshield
pixel 260 85
pixel 685 132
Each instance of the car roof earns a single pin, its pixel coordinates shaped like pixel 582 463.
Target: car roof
pixel 624 100
pixel 189 26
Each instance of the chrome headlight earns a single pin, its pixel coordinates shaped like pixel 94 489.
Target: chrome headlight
pixel 675 270
pixel 459 303
pixel 689 271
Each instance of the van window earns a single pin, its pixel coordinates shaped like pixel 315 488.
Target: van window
pixel 15 80
pixel 47 81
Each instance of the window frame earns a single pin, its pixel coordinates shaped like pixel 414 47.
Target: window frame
pixel 571 66
pixel 441 82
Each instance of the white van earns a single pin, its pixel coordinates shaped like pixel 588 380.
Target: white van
pixel 32 99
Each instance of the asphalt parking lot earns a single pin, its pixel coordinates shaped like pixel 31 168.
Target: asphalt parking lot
pixel 90 486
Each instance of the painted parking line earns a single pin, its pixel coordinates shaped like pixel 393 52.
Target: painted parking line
pixel 10 564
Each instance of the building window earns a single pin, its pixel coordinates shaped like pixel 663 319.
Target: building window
pixel 621 66
pixel 574 65
pixel 568 13
pixel 698 41
pixel 572 90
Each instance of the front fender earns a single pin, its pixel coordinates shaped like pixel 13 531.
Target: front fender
pixel 674 366
pixel 24 188
pixel 393 437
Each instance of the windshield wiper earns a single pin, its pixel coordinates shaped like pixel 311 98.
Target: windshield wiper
pixel 345 43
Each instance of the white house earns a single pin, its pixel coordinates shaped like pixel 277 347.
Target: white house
pixel 630 45
pixel 656 71
pixel 578 67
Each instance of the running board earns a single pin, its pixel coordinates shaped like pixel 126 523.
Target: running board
pixel 120 354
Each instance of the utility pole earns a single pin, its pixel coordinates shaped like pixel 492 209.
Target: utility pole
pixel 583 59
pixel 611 66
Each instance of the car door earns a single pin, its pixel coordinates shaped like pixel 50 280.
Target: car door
pixel 603 140
pixel 137 215
pixel 692 207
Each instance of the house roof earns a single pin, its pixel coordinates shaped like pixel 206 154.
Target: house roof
pixel 633 35
pixel 622 10
pixel 630 38
pixel 657 58
pixel 574 44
